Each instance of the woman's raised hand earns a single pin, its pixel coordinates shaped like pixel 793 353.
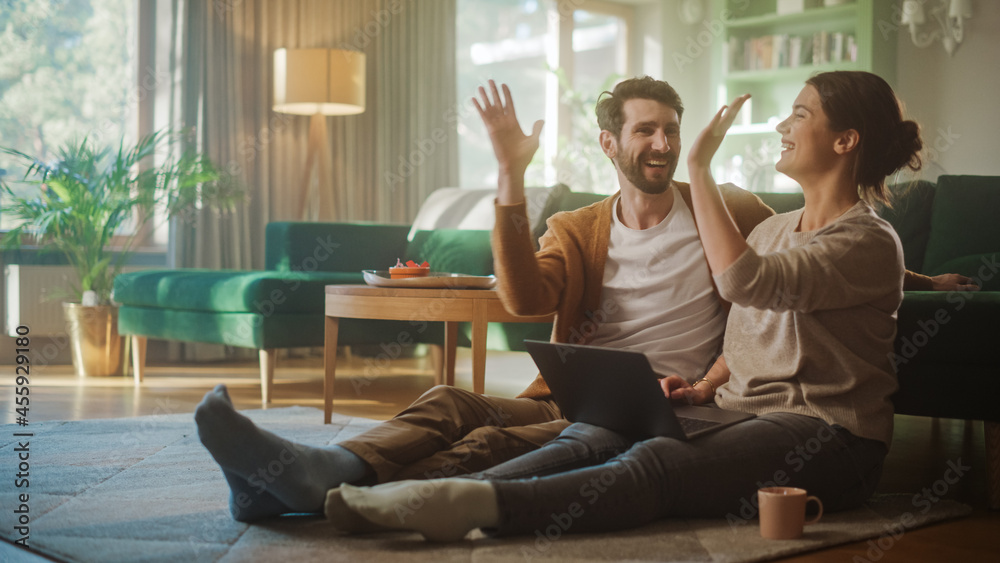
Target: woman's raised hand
pixel 709 140
pixel 514 150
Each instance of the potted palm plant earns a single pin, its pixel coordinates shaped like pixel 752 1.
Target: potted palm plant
pixel 91 203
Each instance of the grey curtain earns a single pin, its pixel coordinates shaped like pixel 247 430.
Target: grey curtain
pixel 214 78
pixel 214 63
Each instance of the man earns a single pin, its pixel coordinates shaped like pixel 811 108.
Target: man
pixel 626 271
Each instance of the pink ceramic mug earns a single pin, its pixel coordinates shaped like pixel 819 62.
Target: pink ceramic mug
pixel 783 512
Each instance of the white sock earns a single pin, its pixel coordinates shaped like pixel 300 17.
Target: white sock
pixel 344 519
pixel 440 509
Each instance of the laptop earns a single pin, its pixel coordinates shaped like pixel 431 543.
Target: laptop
pixel 616 388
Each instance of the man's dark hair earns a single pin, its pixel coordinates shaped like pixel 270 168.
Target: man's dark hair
pixel 610 113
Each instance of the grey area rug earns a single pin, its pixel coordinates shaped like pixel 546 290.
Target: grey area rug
pixel 144 489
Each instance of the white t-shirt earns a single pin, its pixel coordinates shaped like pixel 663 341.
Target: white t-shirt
pixel 660 284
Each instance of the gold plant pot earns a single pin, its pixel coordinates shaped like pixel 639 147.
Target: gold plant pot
pixel 98 349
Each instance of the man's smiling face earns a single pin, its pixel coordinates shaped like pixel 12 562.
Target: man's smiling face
pixel 649 145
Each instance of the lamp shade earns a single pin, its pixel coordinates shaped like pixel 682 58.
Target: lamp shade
pixel 323 81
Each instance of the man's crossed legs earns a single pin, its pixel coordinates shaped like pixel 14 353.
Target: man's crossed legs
pixel 444 433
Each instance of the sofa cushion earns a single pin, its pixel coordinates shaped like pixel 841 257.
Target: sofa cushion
pixel 229 291
pixel 566 201
pixel 245 330
pixel 332 247
pixel 984 269
pixel 910 216
pixel 473 209
pixel 453 250
pixel 963 221
pixel 276 330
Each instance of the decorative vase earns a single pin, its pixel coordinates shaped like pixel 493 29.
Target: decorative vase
pixel 98 349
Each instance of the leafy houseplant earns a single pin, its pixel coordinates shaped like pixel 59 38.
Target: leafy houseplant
pixel 89 194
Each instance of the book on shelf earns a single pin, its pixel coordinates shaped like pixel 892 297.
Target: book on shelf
pixel 769 52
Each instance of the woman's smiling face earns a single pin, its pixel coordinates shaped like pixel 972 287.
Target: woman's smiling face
pixel 807 142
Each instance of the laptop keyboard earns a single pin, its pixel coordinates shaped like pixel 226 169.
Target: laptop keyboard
pixel 691 425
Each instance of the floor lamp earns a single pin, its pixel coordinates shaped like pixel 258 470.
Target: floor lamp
pixel 318 83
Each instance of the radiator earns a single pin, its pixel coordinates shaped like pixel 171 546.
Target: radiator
pixel 34 297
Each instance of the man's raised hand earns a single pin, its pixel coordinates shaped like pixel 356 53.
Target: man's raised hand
pixel 514 150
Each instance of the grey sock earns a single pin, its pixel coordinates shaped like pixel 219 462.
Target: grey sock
pixel 247 504
pixel 296 475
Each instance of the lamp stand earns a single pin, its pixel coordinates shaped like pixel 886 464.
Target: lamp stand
pixel 318 156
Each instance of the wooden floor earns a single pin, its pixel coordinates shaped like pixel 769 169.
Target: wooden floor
pixel 920 455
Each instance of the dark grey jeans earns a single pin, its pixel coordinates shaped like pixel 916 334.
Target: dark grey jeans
pixel 713 476
pixel 578 445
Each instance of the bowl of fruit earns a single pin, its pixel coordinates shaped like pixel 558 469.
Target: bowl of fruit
pixel 409 270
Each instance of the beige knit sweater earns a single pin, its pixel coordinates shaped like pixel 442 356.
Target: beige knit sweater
pixel 813 320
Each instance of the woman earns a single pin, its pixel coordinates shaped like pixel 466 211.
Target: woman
pixel 807 349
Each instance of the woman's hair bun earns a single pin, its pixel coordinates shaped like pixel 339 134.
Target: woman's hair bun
pixel 904 147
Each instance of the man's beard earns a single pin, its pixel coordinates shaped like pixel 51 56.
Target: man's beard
pixel 633 171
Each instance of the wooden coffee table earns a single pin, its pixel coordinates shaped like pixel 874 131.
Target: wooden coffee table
pixel 452 306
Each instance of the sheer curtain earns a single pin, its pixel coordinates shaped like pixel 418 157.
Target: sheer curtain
pixel 213 76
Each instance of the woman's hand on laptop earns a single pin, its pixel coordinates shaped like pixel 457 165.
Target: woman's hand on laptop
pixel 677 389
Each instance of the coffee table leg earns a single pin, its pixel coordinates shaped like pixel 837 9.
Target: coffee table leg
pixel 479 326
pixel 329 366
pixel 450 351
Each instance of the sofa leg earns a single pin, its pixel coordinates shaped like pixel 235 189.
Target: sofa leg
pixel 267 360
pixel 138 357
pixel 992 433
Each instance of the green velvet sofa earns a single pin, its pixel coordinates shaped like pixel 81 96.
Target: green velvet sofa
pixel 282 305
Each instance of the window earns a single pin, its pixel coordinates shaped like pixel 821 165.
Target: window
pixel 557 56
pixel 67 71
